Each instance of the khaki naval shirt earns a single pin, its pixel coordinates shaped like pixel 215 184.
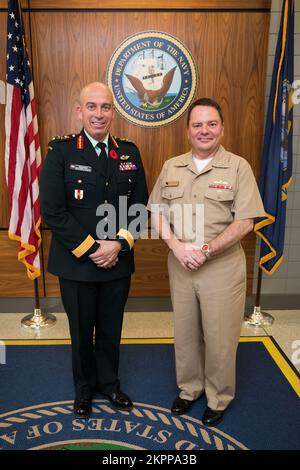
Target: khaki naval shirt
pixel 199 206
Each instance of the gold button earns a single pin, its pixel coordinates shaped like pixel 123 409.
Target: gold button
pixel 79 181
pixel 106 184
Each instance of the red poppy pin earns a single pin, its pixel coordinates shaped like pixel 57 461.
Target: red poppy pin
pixel 113 154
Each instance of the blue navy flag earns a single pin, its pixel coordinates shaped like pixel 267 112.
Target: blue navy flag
pixel 276 164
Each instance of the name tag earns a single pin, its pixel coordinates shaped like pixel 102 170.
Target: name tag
pixel 88 169
pixel 172 184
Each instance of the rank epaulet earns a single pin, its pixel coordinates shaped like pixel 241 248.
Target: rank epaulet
pixel 63 138
pixel 60 138
pixel 123 139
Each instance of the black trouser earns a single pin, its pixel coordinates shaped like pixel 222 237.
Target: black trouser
pixel 99 307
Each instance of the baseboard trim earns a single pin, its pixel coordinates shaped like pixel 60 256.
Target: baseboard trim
pixel 144 304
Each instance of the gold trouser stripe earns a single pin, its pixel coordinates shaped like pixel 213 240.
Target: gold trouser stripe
pixel 127 235
pixel 84 246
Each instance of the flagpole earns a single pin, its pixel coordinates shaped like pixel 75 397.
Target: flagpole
pixel 257 317
pixel 38 320
pixel 276 163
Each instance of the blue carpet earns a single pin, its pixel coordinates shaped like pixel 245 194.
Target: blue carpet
pixel 36 396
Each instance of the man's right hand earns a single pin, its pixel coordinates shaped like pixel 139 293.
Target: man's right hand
pixel 189 257
pixel 107 254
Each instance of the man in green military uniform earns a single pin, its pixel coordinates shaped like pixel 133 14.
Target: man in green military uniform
pixel 83 177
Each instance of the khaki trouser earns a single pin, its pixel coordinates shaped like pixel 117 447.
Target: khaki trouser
pixel 209 308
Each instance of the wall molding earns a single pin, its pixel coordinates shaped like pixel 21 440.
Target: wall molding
pixel 185 5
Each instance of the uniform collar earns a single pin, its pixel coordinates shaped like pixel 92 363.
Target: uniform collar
pixel 94 142
pixel 220 160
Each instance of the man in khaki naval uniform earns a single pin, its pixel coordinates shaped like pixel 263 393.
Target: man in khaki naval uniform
pixel 208 275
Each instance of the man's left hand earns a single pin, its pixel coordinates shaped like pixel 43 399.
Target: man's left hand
pixel 107 254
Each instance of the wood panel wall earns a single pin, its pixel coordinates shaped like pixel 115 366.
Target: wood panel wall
pixel 228 41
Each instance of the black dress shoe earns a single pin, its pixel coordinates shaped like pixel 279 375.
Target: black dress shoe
pixel 181 406
pixel 82 408
pixel 212 417
pixel 120 400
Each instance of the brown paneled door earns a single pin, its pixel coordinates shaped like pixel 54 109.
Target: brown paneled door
pixel 228 42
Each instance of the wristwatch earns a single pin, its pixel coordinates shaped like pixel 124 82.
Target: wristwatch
pixel 205 250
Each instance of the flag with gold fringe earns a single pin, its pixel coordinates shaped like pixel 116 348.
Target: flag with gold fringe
pixel 276 164
pixel 22 147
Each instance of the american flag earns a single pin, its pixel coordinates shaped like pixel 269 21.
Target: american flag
pixel 22 147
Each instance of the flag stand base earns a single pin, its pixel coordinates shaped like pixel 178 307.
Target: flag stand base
pixel 258 318
pixel 38 320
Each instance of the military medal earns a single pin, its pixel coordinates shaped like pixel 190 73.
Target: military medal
pixel 78 194
pixel 80 142
pixel 113 154
pixel 124 157
pixel 220 185
pixel 127 166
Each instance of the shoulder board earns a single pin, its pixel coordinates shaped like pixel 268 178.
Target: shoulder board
pixel 63 138
pixel 122 139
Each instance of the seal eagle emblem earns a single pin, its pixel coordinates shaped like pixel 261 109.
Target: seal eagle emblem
pixel 152 96
pixel 153 78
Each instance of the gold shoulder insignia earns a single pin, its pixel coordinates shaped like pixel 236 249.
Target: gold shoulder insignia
pixel 123 139
pixel 63 138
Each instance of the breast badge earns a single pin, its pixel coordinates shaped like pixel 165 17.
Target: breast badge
pixel 78 194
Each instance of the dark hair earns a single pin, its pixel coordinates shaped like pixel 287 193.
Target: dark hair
pixel 205 102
